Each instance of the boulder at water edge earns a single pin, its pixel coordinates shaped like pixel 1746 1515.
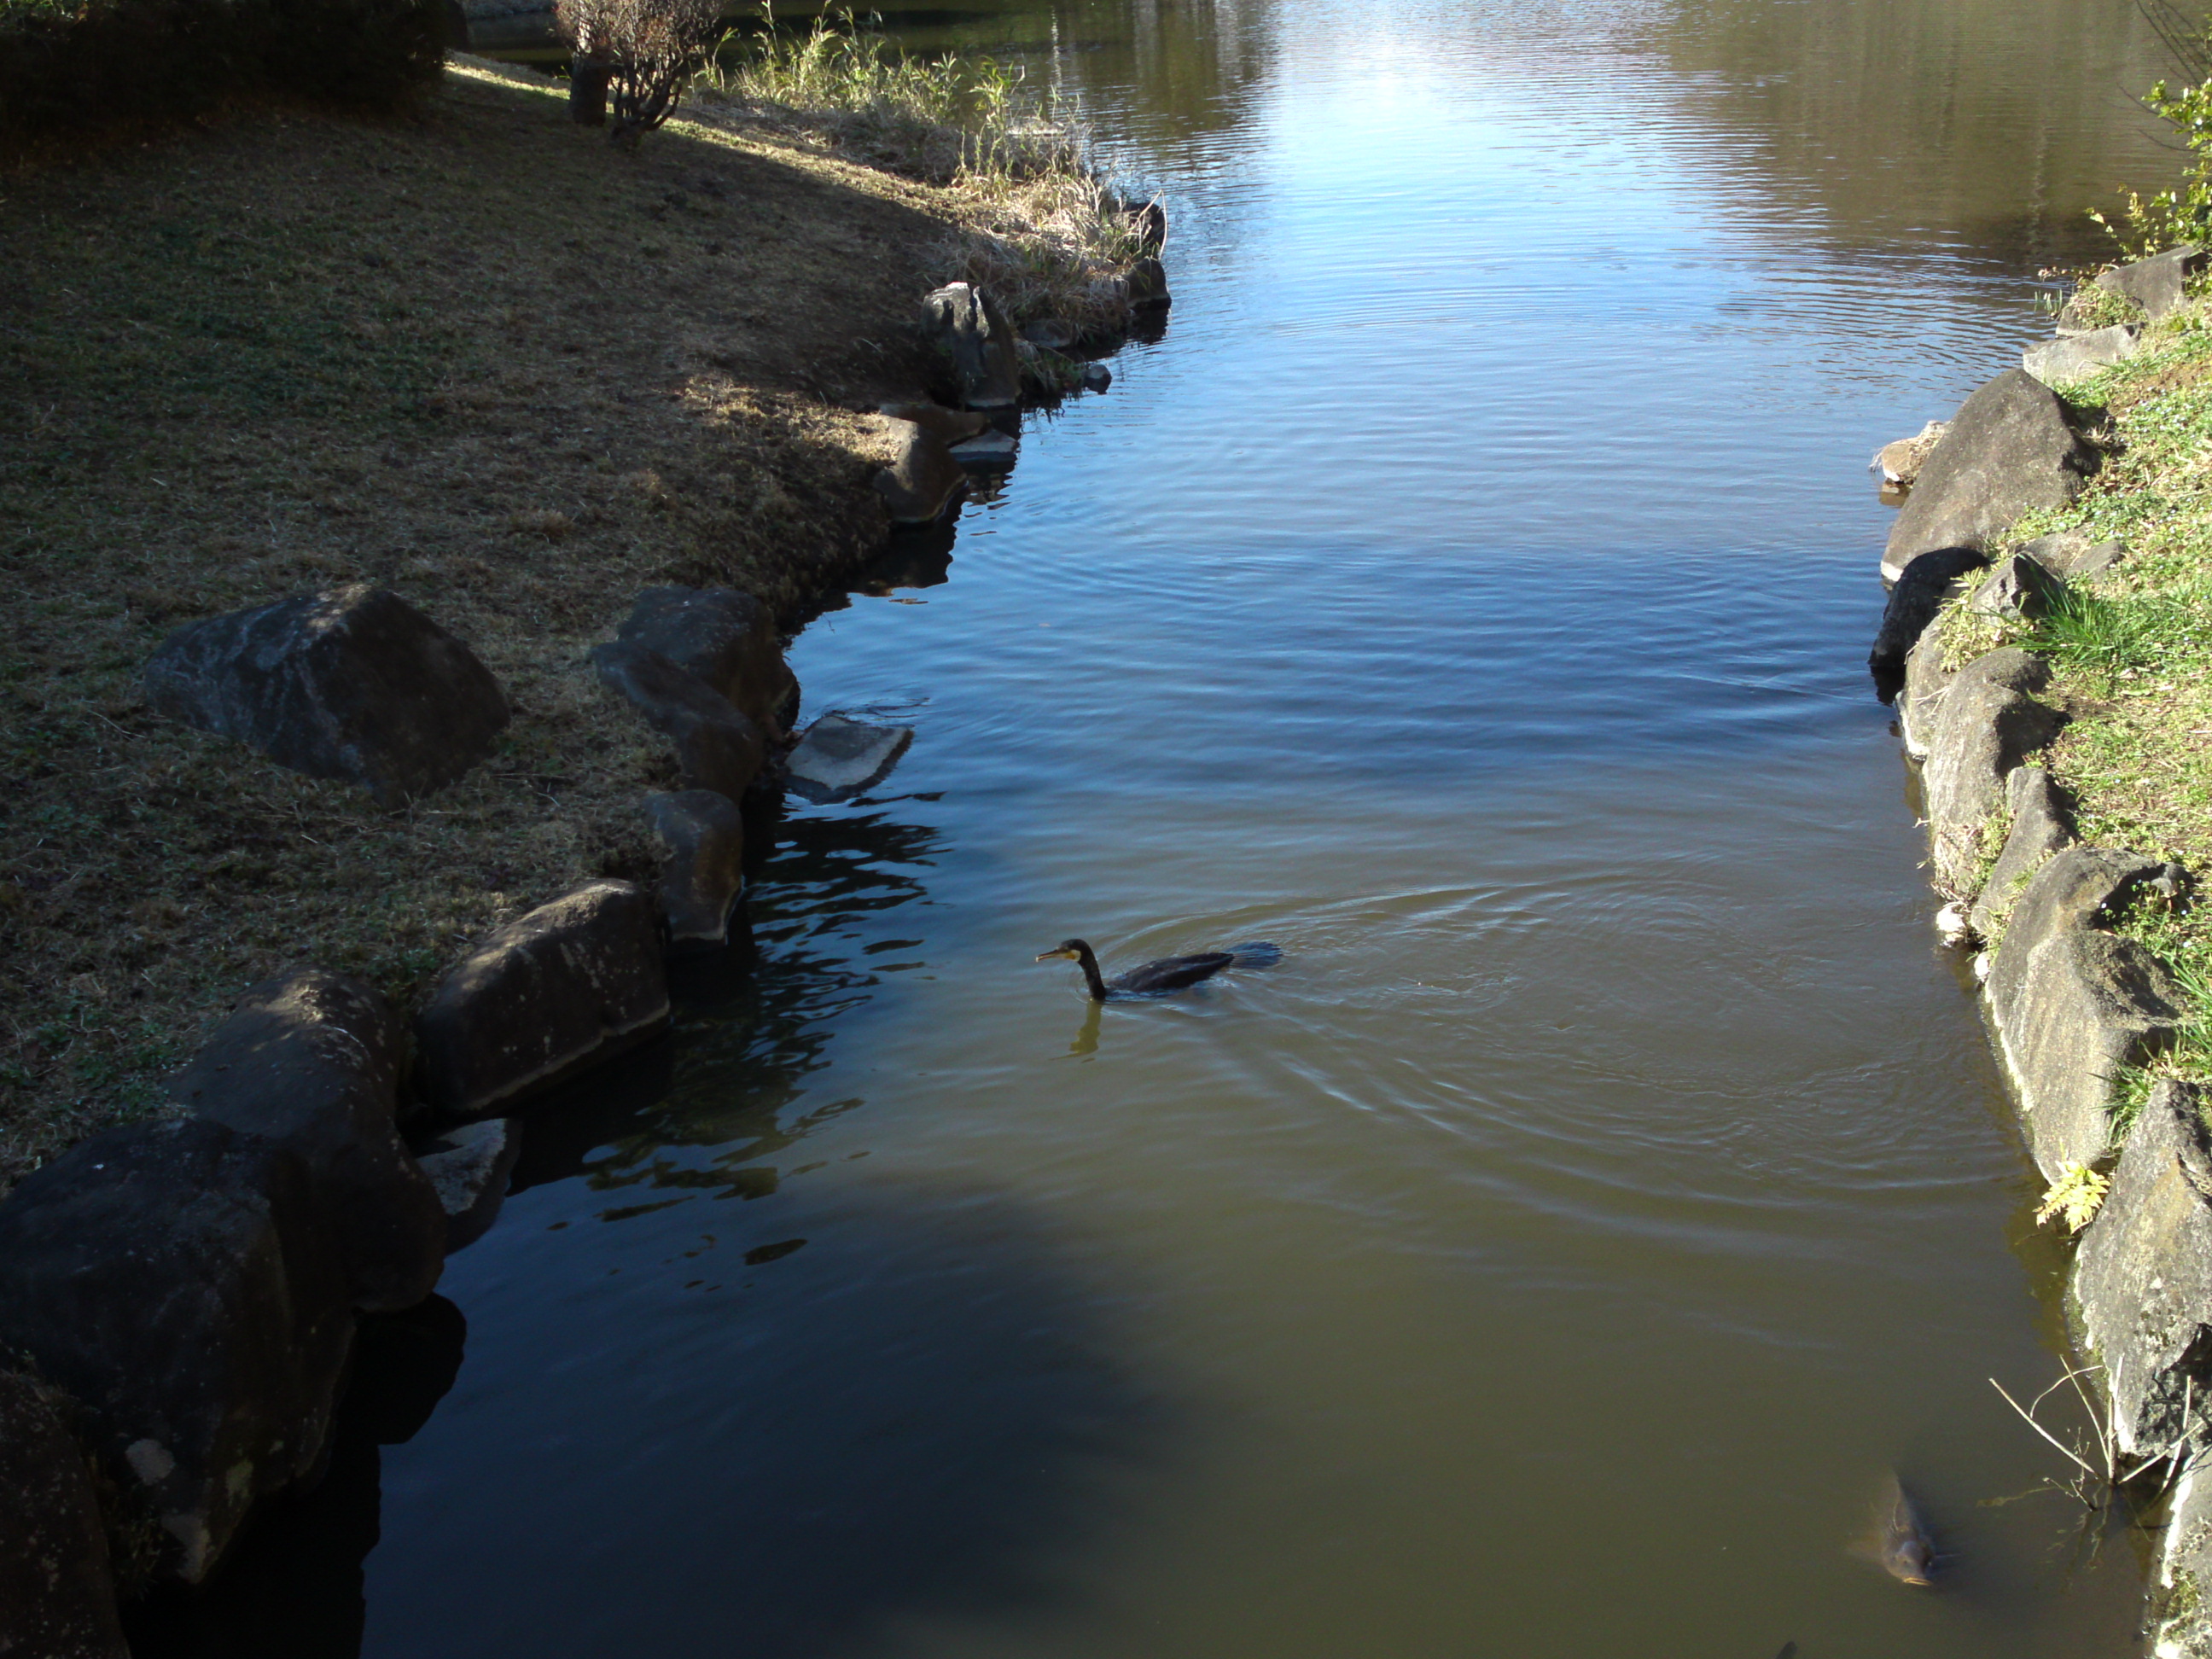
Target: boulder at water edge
pixel 702 840
pixel 2011 449
pixel 2074 1005
pixel 570 984
pixel 468 1167
pixel 841 757
pixel 1989 722
pixel 922 484
pixel 2142 1282
pixel 354 684
pixel 2155 283
pixel 180 1281
pixel 947 426
pixel 313 1060
pixel 57 1589
pixel 1148 284
pixel 717 747
pixel 965 324
pixel 723 637
pixel 1921 589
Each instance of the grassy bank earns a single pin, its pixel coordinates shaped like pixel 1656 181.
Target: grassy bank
pixel 473 355
pixel 2131 654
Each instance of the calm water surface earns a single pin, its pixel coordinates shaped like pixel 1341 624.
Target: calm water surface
pixel 1469 592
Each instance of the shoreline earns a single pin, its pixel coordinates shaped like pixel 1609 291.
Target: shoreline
pixel 2047 535
pixel 409 542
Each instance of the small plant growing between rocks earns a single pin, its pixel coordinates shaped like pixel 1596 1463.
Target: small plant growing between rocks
pixel 2102 1472
pixel 2074 1199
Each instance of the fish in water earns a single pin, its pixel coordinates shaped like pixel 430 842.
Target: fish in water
pixel 1788 1651
pixel 1168 973
pixel 1901 1544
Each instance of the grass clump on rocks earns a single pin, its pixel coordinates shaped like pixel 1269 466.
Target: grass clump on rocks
pixel 1041 226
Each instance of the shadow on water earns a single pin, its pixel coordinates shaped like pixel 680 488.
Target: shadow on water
pixel 293 1588
pixel 895 1416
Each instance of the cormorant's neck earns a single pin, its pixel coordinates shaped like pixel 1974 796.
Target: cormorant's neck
pixel 1090 966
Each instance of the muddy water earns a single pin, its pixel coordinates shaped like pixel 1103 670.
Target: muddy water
pixel 1469 595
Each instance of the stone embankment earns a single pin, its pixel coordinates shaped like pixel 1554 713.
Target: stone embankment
pixel 2075 1005
pixel 181 1297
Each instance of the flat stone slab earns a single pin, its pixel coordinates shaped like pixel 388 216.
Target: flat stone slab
pixel 468 1168
pixel 2155 283
pixel 840 757
pixel 990 452
pixel 2077 356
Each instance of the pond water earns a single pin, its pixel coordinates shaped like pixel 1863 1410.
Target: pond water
pixel 1469 592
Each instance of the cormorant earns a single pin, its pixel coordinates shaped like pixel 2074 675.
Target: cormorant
pixel 1168 973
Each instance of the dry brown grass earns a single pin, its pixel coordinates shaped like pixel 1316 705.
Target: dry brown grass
pixel 478 357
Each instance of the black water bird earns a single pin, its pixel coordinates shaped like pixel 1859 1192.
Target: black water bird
pixel 1168 973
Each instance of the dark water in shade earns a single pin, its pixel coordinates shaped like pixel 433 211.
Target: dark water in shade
pixel 1469 593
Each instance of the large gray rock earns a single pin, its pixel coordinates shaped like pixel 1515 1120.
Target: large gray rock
pixel 723 637
pixel 947 426
pixel 2181 1622
pixel 2077 887
pixel 354 684
pixel 2019 590
pixel 1920 698
pixel 1920 590
pixel 717 746
pixel 2142 1280
pixel 1989 723
pixel 2041 827
pixel 702 840
pixel 2011 449
pixel 965 324
pixel 2074 1004
pixel 468 1167
pixel 922 484
pixel 2155 283
pixel 2076 356
pixel 840 757
pixel 551 994
pixel 2076 556
pixel 313 1060
pixel 179 1282
pixel 2086 1006
pixel 56 1588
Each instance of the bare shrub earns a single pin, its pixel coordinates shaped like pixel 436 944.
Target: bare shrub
pixel 651 49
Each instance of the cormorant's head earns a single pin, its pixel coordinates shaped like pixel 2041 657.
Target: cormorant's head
pixel 1068 949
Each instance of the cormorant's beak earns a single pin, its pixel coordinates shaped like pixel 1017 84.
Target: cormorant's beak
pixel 1057 955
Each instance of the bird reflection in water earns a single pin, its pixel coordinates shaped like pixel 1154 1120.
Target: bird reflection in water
pixel 1086 1034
